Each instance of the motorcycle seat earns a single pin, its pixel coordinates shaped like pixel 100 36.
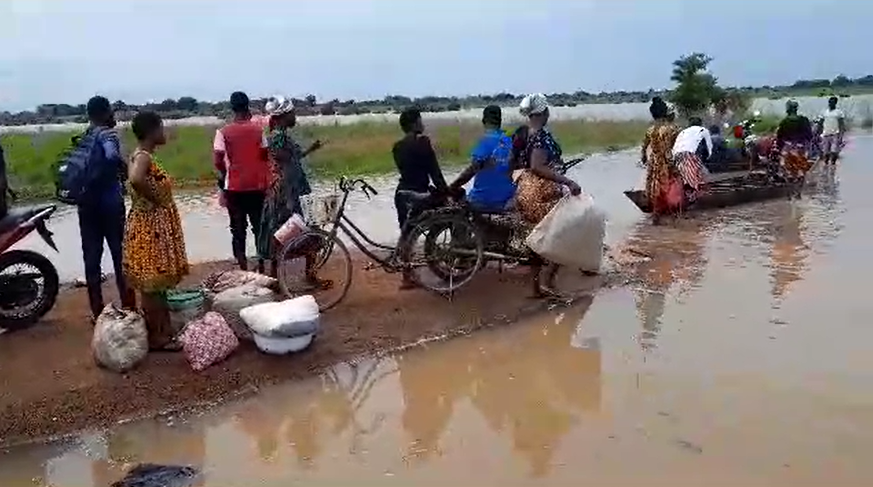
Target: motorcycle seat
pixel 16 216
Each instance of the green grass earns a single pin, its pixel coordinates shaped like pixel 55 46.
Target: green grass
pixel 355 149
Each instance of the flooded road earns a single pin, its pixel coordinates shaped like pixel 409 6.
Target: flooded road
pixel 739 355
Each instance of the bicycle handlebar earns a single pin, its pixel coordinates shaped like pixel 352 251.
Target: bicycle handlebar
pixel 349 185
pixel 567 165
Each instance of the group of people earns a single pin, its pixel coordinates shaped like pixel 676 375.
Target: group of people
pixel 676 160
pixel 146 244
pixel 531 149
pixel 261 183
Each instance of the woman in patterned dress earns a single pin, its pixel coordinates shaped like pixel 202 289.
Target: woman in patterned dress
pixel 793 139
pixel 154 245
pixel 540 187
pixel 289 183
pixel 656 157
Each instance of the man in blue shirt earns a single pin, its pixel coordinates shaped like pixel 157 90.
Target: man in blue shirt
pixel 101 209
pixel 490 165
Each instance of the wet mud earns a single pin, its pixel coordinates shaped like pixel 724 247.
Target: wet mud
pixel 52 386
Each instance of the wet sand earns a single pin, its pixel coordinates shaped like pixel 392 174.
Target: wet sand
pixel 51 384
pixel 739 355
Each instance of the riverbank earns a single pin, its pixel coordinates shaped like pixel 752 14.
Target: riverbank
pixel 52 386
pixel 356 149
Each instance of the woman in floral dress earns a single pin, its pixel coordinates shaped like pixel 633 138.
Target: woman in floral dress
pixel 154 245
pixel 540 186
pixel 289 183
pixel 656 157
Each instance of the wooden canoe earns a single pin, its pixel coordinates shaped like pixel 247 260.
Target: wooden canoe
pixel 749 188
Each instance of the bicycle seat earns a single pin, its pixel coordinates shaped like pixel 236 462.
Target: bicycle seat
pixel 16 216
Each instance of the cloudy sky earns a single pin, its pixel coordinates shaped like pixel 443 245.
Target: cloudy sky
pixel 137 50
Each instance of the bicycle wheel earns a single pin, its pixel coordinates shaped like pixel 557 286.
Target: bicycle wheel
pixel 332 265
pixel 443 251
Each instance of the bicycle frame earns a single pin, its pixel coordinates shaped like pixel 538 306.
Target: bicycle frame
pixel 342 223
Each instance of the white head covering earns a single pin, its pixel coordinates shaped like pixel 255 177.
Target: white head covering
pixel 278 105
pixel 533 104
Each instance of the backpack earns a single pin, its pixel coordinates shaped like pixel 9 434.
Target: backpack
pixel 72 172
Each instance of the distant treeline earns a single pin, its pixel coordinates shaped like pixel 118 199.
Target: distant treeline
pixel 187 106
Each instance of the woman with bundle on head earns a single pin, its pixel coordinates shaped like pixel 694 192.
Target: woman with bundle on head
pixel 154 246
pixel 539 187
pixel 288 183
pixel 656 157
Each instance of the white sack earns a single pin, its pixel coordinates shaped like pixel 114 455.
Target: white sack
pixel 230 302
pixel 120 339
pixel 289 318
pixel 571 234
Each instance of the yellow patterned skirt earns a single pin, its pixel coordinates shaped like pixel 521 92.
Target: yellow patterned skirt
pixel 155 259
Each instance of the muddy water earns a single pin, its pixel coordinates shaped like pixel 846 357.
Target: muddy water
pixel 739 355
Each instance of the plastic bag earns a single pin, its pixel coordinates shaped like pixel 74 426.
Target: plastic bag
pixel 224 280
pixel 120 339
pixel 571 234
pixel 291 229
pixel 287 319
pixel 207 341
pixel 153 475
pixel 186 305
pixel 230 302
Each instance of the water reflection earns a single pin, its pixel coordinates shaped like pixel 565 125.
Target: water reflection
pixel 678 257
pixel 789 253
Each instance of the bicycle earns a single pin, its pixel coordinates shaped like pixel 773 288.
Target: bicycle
pixel 493 237
pixel 324 239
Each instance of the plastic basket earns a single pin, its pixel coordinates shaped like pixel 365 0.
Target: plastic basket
pixel 319 210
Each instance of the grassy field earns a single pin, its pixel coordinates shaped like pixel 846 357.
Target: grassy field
pixel 357 149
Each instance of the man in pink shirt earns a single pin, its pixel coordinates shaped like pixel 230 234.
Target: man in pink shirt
pixel 240 157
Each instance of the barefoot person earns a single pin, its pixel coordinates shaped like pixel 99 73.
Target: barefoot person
pixel 833 129
pixel 288 184
pixel 539 186
pixel 657 153
pixel 693 146
pixel 417 164
pixel 241 161
pixel 154 246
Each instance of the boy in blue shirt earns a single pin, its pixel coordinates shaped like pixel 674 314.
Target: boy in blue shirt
pixel 490 165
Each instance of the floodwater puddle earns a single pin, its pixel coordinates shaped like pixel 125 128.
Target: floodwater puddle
pixel 739 353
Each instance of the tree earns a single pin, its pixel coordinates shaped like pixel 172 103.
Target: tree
pixel 696 89
pixel 187 104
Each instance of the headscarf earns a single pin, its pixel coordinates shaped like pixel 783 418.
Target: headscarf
pixel 791 105
pixel 278 105
pixel 533 104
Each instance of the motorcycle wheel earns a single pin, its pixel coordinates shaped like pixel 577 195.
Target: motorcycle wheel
pixel 18 292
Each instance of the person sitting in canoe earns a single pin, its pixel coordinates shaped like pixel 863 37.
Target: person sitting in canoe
pixel 656 157
pixel 693 146
pixel 793 138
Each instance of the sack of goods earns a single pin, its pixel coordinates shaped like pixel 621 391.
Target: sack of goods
pixel 207 341
pixel 224 280
pixel 120 339
pixel 230 302
pixel 571 234
pixel 284 327
pixel 185 305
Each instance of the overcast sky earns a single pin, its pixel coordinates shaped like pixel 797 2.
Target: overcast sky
pixel 63 51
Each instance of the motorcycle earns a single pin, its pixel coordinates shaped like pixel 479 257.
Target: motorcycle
pixel 27 294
